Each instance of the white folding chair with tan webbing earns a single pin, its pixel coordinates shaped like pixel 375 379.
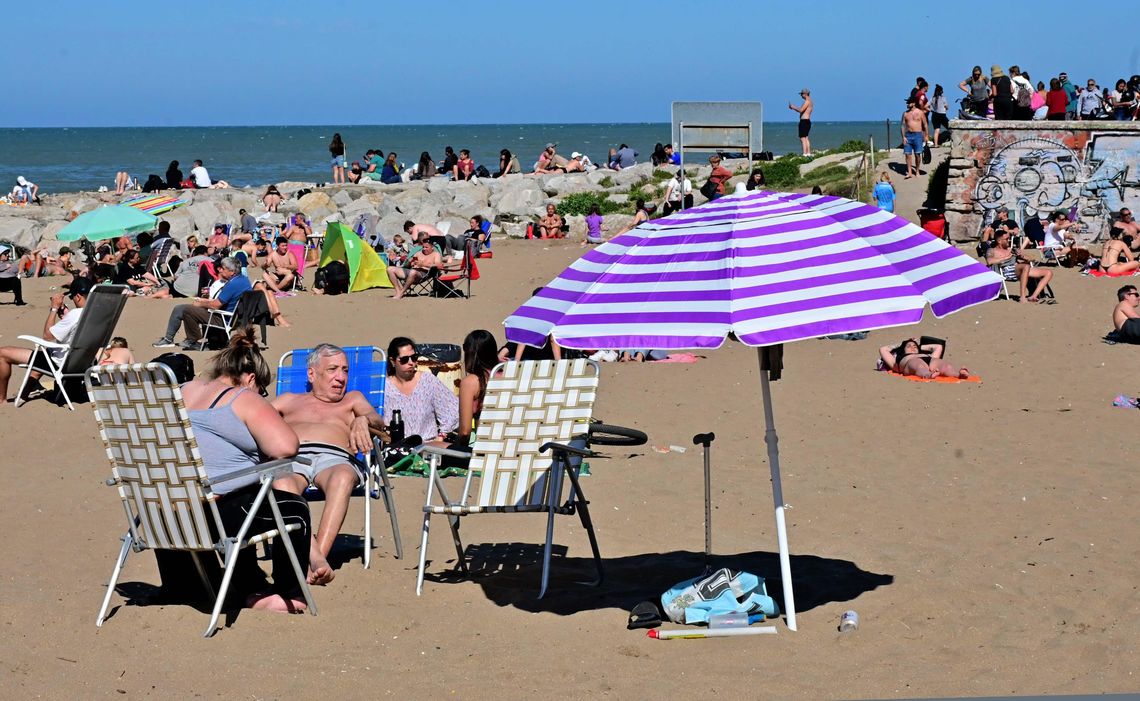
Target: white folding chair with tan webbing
pixel 531 438
pixel 162 482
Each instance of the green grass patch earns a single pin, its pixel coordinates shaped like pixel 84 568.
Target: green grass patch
pixel 579 204
pixel 660 176
pixel 606 182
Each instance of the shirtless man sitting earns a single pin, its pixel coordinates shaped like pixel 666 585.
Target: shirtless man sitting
pixel 1013 267
pixel 298 233
pixel 333 426
pixel 280 266
pixel 1129 229
pixel 1116 258
pixel 419 265
pixel 1124 317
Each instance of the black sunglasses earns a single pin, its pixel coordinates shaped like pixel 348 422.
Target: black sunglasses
pixel 402 359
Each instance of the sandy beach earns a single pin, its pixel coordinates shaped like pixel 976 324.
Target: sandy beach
pixel 982 531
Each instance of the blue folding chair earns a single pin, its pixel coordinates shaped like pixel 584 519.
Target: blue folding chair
pixel 367 373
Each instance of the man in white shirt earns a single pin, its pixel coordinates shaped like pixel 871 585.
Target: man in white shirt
pixel 60 326
pixel 200 175
pixel 1090 104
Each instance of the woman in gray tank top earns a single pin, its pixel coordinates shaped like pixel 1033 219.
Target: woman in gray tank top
pixel 237 428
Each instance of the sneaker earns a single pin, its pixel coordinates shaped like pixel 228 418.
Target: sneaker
pixel 189 345
pixel 163 342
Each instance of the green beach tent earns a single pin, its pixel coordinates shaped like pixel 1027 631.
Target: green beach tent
pixel 365 269
pixel 108 223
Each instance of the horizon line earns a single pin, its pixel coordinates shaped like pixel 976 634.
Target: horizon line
pixel 351 126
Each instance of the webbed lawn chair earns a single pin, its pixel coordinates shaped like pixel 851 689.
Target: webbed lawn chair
pixel 531 437
pixel 93 332
pixel 168 497
pixel 367 373
pixel 159 262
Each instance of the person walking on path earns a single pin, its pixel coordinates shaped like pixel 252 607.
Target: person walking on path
pixel 914 133
pixel 804 110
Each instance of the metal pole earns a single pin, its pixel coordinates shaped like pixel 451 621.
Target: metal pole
pixel 887 143
pixel 871 142
pixel 772 439
pixel 706 439
pixel 681 150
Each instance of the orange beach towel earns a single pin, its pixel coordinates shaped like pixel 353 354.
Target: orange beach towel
pixel 944 380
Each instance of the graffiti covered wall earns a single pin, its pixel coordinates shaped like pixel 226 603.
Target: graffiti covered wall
pixel 1090 169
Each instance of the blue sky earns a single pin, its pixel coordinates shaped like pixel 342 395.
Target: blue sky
pixel 130 63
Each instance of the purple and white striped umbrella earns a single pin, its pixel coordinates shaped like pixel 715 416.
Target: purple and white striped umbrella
pixel 769 268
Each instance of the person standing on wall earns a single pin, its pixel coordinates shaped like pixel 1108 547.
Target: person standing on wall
pixel 1001 90
pixel 804 110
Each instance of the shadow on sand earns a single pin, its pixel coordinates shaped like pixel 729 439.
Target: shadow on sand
pixel 509 574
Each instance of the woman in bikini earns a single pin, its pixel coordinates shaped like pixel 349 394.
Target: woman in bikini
pixel 1116 258
pixel 912 358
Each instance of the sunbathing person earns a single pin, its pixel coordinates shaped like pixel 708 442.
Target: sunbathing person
pixel 925 361
pixel 298 233
pixel 1129 229
pixel 272 198
pixel 332 425
pixel 1116 258
pixel 419 266
pixel 550 226
pixel 117 352
pixel 280 267
pixel 235 428
pixel 1013 267
pixel 1059 234
pixel 548 161
pixel 480 356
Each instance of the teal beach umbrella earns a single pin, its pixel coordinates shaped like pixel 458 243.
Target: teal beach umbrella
pixel 108 222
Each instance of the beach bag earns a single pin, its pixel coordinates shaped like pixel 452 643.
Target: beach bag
pixel 153 183
pixel 709 190
pixel 530 230
pixel 723 591
pixel 187 184
pixel 482 172
pixel 926 154
pixel 332 278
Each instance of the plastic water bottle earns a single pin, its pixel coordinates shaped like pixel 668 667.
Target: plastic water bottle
pixel 849 623
pixel 734 620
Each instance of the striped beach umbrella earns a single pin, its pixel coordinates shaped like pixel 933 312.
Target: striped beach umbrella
pixel 765 267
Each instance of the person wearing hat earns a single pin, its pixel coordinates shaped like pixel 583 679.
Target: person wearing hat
pixel 548 161
pixel 10 276
pixel 25 192
pixel 804 110
pixel 575 165
pixel 1072 93
pixel 59 326
pixel 1001 90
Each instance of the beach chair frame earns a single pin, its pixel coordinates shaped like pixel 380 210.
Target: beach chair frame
pixel 449 281
pixel 162 482
pixel 92 333
pixel 531 437
pixel 367 373
pixel 221 319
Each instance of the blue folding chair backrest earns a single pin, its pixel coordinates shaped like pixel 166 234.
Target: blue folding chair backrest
pixel 486 227
pixel 367 373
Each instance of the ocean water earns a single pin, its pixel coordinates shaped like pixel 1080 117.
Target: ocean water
pixel 70 159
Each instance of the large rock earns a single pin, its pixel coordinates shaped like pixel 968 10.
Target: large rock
pixel 521 202
pixel 597 176
pixel 513 229
pixel 205 215
pixel 558 185
pixel 577 224
pixel 181 223
pixel 341 198
pixel 313 202
pixel 19 231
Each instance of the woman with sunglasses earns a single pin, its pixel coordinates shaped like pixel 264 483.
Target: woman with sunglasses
pixel 235 426
pixel 427 407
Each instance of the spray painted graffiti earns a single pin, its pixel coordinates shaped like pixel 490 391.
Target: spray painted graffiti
pixel 1035 171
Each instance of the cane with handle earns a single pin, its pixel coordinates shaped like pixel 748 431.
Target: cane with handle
pixel 706 439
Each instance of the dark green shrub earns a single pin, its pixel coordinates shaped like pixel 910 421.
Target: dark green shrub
pixel 579 203
pixel 661 175
pixel 606 182
pixel 781 174
pixel 853 146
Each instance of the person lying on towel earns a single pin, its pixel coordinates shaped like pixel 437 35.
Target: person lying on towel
pixel 913 357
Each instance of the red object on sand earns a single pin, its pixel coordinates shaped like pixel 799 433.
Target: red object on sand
pixel 933 221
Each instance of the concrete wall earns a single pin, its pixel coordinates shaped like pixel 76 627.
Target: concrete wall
pixel 1034 168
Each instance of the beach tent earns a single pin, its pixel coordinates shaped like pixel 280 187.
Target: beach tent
pixel 365 269
pixel 767 268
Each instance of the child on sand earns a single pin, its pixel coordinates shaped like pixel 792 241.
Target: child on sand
pixel 398 251
pixel 117 352
pixel 593 226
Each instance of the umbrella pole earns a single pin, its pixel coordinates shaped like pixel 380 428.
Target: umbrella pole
pixel 772 439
